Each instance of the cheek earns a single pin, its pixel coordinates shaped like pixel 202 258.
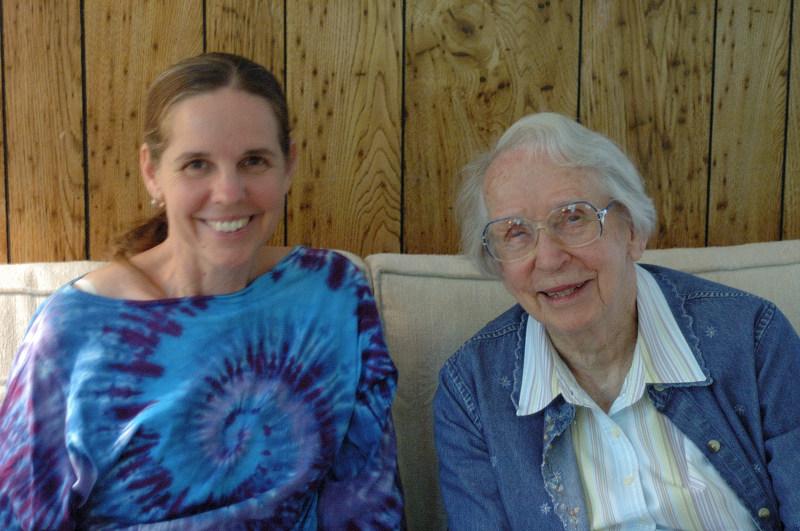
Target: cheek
pixel 516 279
pixel 270 192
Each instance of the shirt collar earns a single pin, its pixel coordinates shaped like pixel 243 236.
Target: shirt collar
pixel 662 356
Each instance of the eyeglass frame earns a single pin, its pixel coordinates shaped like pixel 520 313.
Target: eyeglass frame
pixel 537 225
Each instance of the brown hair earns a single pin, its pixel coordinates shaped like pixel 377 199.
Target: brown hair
pixel 196 75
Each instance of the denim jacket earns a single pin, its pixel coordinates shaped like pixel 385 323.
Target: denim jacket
pixel 501 471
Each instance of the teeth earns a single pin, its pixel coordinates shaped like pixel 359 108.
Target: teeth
pixel 564 293
pixel 228 226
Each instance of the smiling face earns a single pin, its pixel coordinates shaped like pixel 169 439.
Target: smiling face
pixel 587 292
pixel 222 177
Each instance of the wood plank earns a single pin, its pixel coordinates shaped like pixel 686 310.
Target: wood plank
pixel 253 29
pixel 749 120
pixel 42 50
pixel 344 87
pixel 472 70
pixel 3 198
pixel 791 186
pixel 646 83
pixel 127 45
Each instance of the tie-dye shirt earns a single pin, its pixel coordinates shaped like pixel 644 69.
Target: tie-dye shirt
pixel 263 409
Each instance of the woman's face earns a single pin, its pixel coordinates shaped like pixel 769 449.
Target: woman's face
pixel 586 290
pixel 222 177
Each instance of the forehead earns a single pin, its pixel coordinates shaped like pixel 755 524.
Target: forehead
pixel 523 182
pixel 221 114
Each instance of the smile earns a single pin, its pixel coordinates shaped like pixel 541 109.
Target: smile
pixel 564 293
pixel 228 226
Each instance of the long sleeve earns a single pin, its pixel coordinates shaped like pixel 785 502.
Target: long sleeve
pixel 362 489
pixel 36 475
pixel 778 356
pixel 468 484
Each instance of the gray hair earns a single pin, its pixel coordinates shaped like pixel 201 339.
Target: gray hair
pixel 569 144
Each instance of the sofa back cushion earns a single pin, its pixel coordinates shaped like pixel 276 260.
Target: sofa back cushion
pixel 22 288
pixel 430 305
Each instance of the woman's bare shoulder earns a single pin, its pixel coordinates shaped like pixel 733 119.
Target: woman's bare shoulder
pixel 116 280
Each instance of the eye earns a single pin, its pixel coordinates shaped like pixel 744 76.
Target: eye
pixel 517 234
pixel 196 166
pixel 255 161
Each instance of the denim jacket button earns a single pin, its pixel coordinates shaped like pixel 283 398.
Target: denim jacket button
pixel 763 513
pixel 713 446
pixel 658 387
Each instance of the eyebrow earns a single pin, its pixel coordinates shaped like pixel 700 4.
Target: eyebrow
pixel 190 155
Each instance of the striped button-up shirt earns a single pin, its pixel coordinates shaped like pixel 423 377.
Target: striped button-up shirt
pixel 638 470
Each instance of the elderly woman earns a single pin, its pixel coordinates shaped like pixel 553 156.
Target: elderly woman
pixel 614 395
pixel 205 380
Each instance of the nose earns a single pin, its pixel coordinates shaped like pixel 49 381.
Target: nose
pixel 228 187
pixel 548 254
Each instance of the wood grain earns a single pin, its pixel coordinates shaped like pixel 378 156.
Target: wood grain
pixel 343 81
pixel 646 83
pixel 791 186
pixel 42 65
pixel 472 70
pixel 127 45
pixel 386 110
pixel 253 29
pixel 749 119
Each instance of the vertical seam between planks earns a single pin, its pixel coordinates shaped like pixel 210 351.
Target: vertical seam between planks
pixel 5 135
pixel 403 128
pixel 85 133
pixel 710 154
pixel 580 59
pixel 787 110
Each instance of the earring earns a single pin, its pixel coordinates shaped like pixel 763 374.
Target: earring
pixel 155 203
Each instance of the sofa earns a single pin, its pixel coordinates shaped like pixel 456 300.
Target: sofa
pixel 429 305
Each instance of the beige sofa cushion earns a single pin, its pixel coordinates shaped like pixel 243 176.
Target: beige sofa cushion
pixel 430 305
pixel 22 288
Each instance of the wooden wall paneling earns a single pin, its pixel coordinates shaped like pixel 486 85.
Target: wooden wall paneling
pixel 3 198
pixel 646 83
pixel 472 70
pixel 344 85
pixel 127 45
pixel 253 29
pixel 44 126
pixel 749 121
pixel 791 185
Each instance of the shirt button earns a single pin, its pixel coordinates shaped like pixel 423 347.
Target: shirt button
pixel 713 446
pixel 629 481
pixel 658 387
pixel 615 432
pixel 763 513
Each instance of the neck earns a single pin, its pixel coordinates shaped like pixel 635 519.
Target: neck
pixel 170 277
pixel 600 362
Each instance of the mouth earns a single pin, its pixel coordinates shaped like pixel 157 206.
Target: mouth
pixel 564 292
pixel 228 226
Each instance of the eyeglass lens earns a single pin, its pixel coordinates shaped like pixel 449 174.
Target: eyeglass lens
pixel 572 225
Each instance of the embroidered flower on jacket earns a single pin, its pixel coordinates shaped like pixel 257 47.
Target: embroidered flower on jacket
pixel 711 332
pixel 505 381
pixel 493 460
pixel 545 508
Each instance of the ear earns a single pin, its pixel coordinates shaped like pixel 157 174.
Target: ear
pixel 636 246
pixel 149 167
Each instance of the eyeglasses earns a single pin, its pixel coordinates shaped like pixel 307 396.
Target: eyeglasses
pixel 571 225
